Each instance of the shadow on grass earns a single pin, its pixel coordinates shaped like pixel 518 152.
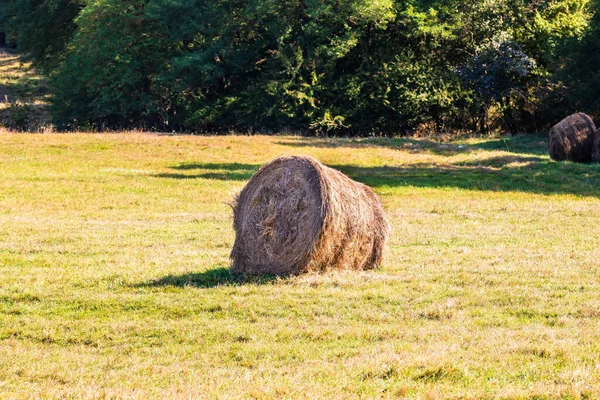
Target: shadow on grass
pixel 535 144
pixel 498 174
pixel 227 167
pixel 20 82
pixel 404 144
pixel 507 173
pixel 225 172
pixel 208 279
pixel 6 58
pixel 25 93
pixel 523 167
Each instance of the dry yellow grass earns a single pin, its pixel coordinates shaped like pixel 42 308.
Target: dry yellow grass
pixel 114 282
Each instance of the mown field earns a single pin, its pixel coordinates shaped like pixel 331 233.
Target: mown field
pixel 114 277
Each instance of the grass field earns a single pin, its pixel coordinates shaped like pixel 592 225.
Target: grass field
pixel 114 277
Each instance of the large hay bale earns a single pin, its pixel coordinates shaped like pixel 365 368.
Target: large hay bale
pixel 596 147
pixel 572 139
pixel 296 215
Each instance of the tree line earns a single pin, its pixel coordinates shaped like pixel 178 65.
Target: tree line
pixel 368 67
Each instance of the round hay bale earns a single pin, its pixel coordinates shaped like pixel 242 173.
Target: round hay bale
pixel 296 215
pixel 572 139
pixel 596 147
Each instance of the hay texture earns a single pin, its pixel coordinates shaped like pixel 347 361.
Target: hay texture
pixel 596 147
pixel 296 215
pixel 572 139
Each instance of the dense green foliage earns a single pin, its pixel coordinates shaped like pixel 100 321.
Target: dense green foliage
pixel 42 28
pixel 582 70
pixel 359 66
pixel 108 76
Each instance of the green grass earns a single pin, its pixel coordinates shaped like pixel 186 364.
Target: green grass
pixel 114 278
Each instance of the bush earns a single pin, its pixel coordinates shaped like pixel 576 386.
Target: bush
pixel 327 67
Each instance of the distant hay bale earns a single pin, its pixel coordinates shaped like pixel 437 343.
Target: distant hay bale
pixel 572 139
pixel 296 215
pixel 596 147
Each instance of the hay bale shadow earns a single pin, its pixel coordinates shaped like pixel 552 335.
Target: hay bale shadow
pixel 208 279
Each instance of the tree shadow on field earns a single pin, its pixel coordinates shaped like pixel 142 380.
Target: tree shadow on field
pixel 521 166
pixel 505 173
pixel 535 144
pixel 499 174
pixel 225 172
pixel 208 279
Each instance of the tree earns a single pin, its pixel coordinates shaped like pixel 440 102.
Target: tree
pixel 107 79
pixel 41 28
pixel 497 75
pixel 581 68
pixel 325 67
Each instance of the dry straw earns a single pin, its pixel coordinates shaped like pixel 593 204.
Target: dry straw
pixel 572 139
pixel 296 215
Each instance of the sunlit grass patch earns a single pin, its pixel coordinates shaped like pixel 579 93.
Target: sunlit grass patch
pixel 24 95
pixel 114 279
